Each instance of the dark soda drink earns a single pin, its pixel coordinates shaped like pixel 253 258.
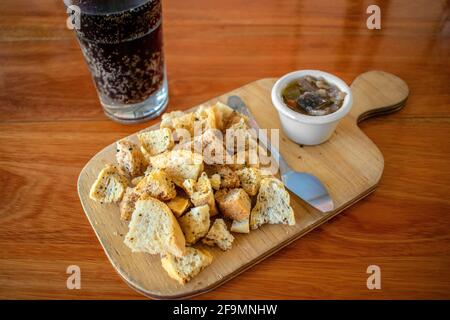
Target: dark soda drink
pixel 122 42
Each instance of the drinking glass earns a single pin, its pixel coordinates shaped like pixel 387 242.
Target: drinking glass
pixel 122 43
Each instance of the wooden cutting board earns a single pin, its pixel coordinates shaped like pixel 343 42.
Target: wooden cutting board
pixel 349 164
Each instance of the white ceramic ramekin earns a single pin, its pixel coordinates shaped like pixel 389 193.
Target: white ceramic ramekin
pixel 304 129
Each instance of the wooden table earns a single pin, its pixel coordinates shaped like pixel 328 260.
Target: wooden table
pixel 51 124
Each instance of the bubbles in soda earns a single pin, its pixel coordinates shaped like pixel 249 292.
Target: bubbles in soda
pixel 123 49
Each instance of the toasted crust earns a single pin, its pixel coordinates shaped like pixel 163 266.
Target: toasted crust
pixel 248 158
pixel 215 181
pixel 188 266
pixel 228 177
pixel 242 226
pixel 179 165
pixel 223 114
pixel 235 117
pixel 179 205
pixel 127 205
pixel 178 120
pixel 109 186
pixel 129 158
pixel 234 204
pixel 135 181
pixel 272 205
pixel 195 224
pixel 156 141
pixel 219 235
pixel 239 137
pixel 210 145
pixel 154 229
pixel 250 179
pixel 167 119
pixel 205 118
pixel 157 185
pixel 201 192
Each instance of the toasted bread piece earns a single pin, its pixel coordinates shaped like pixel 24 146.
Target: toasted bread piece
pixel 189 186
pixel 154 229
pixel 215 181
pixel 234 204
pixel 239 137
pixel 205 118
pixel 188 266
pixel 145 154
pixel 179 165
pixel 272 205
pixel 201 192
pixel 223 114
pixel 195 224
pixel 156 141
pixel 245 158
pixel 177 120
pixel 167 119
pixel 129 158
pixel 157 184
pixel 228 177
pixel 109 186
pixel 242 226
pixel 135 181
pixel 210 145
pixel 179 205
pixel 127 205
pixel 219 235
pixel 235 117
pixel 250 179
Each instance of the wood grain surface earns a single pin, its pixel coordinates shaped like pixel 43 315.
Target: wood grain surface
pixel 51 124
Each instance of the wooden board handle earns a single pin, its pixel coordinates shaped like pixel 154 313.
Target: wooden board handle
pixel 376 93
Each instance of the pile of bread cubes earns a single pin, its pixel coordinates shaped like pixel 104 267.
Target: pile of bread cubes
pixel 175 197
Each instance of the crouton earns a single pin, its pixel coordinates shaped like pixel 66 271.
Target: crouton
pixel 242 226
pixel 234 204
pixel 201 192
pixel 205 118
pixel 245 158
pixel 109 186
pixel 127 205
pixel 228 177
pixel 239 139
pixel 154 229
pixel 145 154
pixel 167 119
pixel 219 235
pixel 272 205
pixel 250 179
pixel 179 205
pixel 235 117
pixel 156 141
pixel 223 114
pixel 178 120
pixel 179 165
pixel 136 180
pixel 215 181
pixel 157 185
pixel 188 266
pixel 210 145
pixel 195 224
pixel 130 160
